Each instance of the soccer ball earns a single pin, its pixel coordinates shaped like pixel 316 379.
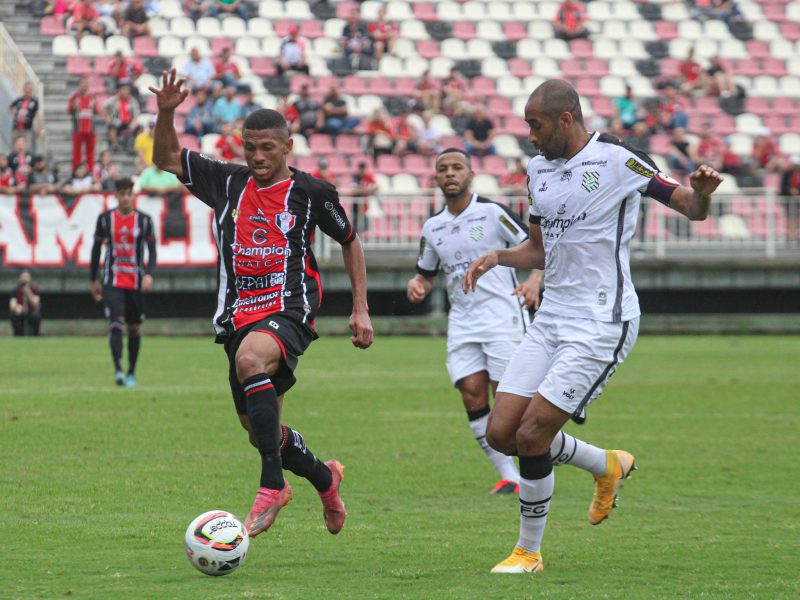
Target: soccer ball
pixel 216 543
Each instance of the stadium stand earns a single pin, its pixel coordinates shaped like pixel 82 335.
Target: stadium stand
pixel 503 50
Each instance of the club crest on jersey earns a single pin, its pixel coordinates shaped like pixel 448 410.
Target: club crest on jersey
pixel 591 181
pixel 476 233
pixel 285 221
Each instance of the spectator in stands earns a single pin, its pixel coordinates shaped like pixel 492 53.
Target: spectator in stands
pixel 248 104
pixel 156 182
pixel 229 7
pixel 672 109
pixel 200 119
pixel 8 183
pixel 143 146
pixel 105 172
pixel 681 157
pixel 625 108
pixel 292 55
pixel 515 182
pixel 323 171
pixel 731 162
pixel 25 306
pixel 479 134
pixel 406 135
pixel 305 113
pixel 60 9
pixel 229 146
pixel 454 93
pixel 86 17
pixel 81 182
pixel 121 112
pixel 639 137
pixel 124 70
pixel 383 35
pixel 226 71
pixel 198 71
pixel 718 80
pixel 25 117
pixel 691 77
pixel 82 106
pixel 364 182
pixel 725 10
pixel 356 43
pixel 20 160
pixel 227 108
pixel 135 20
pixel 195 9
pixel 790 192
pixel 710 147
pixel 41 180
pixel 380 133
pixel 570 21
pixel 334 109
pixel 766 155
pixel 427 95
pixel 429 140
pixel 110 12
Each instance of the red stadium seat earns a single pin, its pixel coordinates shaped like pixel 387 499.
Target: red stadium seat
pixel 464 30
pixel 217 44
pixel 495 165
pixel 587 86
pixel 499 106
pixel 774 67
pixel 748 67
pixel 102 64
pixel 571 67
pixel 311 29
pixel 51 26
pixel 784 106
pixel 428 49
pixel 666 30
pixel 78 65
pixel 659 144
pixel 425 11
pixel 706 105
pixel 381 86
pixel 320 144
pixel 343 9
pixel 597 67
pixel 777 124
pixel 338 164
pixel 706 229
pixel 516 126
pixel 758 49
pixel 483 86
pixel 189 142
pixel 519 67
pixel 296 81
pixel 515 31
pixel 308 164
pixel 405 86
pixel 757 105
pixel 389 164
pixel 348 144
pixel 145 47
pixel 264 67
pixel 581 48
pixel 417 165
pixel 790 31
pixel 774 12
pixel 354 85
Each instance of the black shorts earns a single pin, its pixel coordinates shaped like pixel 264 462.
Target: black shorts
pixel 124 303
pixel 293 338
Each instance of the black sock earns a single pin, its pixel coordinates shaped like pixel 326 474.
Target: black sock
pixel 262 408
pixel 115 341
pixel 301 461
pixel 134 342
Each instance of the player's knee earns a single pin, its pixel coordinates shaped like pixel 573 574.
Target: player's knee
pixel 250 363
pixel 133 329
pixel 500 440
pixel 532 438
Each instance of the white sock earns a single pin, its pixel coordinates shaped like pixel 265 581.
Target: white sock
pixel 534 504
pixel 504 464
pixel 567 450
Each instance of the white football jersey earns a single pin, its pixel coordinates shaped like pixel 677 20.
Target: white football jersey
pixel 450 243
pixel 587 208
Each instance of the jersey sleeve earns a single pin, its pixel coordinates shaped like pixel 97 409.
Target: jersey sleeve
pixel 205 177
pixel 534 213
pixel 509 226
pixel 329 214
pixel 428 259
pixel 640 172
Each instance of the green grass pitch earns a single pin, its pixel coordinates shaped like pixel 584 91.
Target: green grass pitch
pixel 99 483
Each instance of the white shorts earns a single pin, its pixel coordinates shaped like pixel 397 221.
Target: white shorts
pixel 467 358
pixel 568 360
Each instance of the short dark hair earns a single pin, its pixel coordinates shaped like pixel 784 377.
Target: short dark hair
pixel 123 183
pixel 453 149
pixel 266 118
pixel 558 97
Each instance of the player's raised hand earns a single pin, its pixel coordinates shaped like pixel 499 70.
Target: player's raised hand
pixel 170 95
pixel 361 326
pixel 705 180
pixel 480 266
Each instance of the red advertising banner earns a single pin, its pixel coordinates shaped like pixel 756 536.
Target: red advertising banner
pixel 57 231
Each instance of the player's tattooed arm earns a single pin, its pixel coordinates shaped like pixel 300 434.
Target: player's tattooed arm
pixel 694 201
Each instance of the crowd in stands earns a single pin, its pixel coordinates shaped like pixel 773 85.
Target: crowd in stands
pixel 407 126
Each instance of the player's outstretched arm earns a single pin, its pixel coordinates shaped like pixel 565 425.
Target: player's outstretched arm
pixel 418 288
pixel 360 323
pixel 695 201
pixel 166 146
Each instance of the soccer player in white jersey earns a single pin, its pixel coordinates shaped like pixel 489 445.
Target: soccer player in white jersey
pixel 585 190
pixel 483 329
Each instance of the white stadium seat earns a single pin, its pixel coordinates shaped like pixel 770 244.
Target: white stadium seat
pixel 181 27
pixel 412 29
pixel 209 27
pixel 64 45
pixel 507 146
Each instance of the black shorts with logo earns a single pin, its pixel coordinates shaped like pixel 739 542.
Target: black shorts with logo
pixel 293 338
pixel 124 303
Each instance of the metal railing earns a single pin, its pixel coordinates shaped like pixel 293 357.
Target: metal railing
pixel 754 223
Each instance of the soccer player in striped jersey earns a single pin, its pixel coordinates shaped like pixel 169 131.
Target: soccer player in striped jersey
pixel 265 217
pixel 126 277
pixel 585 189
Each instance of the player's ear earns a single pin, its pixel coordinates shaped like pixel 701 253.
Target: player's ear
pixel 287 147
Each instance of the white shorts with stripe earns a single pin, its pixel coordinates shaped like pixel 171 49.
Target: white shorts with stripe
pixel 467 358
pixel 568 360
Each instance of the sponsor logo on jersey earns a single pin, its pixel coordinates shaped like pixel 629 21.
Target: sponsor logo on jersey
pixel 570 394
pixel 602 298
pixel 422 243
pixel 509 224
pixel 245 282
pixel 476 233
pixel 456 267
pixel 599 163
pixel 566 176
pixel 235 214
pixel 638 168
pixel 540 171
pixel 336 216
pixel 458 255
pixel 543 187
pixel 562 208
pixel 590 181
pixel 260 236
pixel 439 228
pixel 274 325
pixel 455 229
pixel 263 252
pixel 483 218
pixel 561 224
pixel 285 221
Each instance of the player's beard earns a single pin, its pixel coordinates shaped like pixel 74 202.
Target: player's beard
pixel 450 196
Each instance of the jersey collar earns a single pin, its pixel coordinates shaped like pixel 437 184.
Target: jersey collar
pixel 589 142
pixel 469 205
